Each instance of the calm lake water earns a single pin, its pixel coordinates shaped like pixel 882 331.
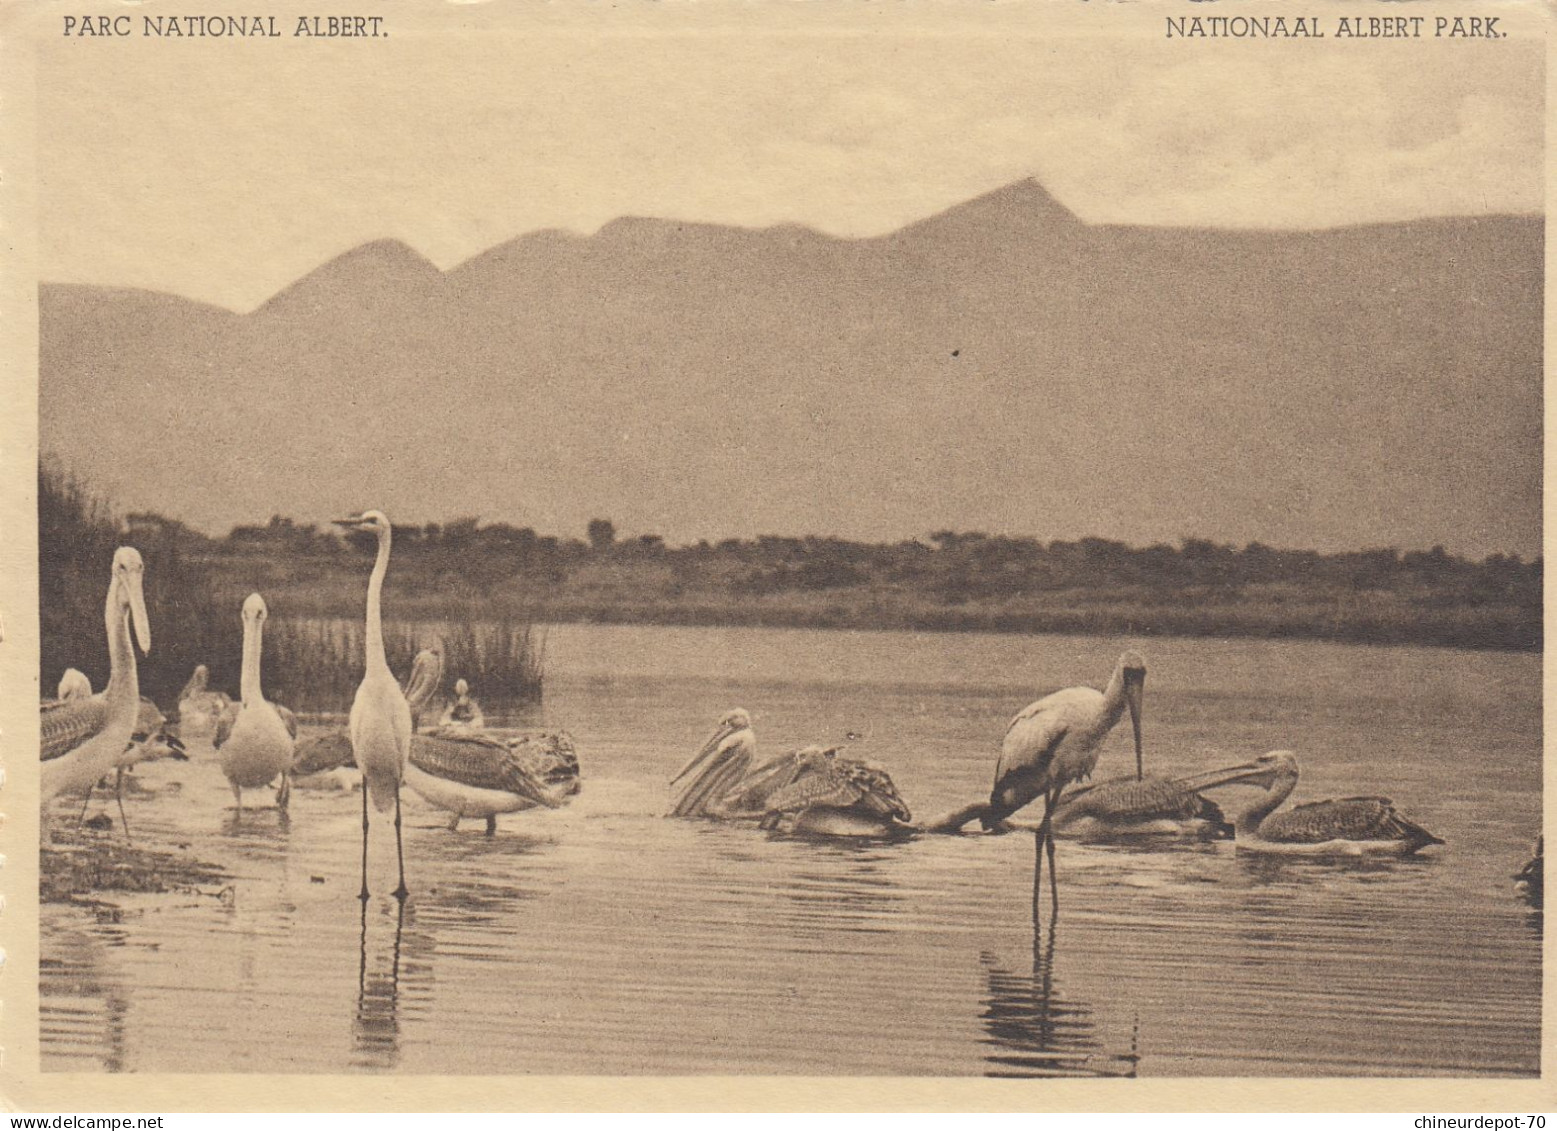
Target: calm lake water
pixel 603 938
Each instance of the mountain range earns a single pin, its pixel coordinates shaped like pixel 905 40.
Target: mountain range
pixel 1000 366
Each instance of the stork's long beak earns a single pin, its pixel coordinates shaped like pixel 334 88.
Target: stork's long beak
pixel 1134 689
pixel 705 752
pixel 1258 773
pixel 142 623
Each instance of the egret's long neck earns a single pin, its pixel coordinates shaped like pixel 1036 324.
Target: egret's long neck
pixel 376 660
pixel 1249 821
pixel 123 681
pixel 253 638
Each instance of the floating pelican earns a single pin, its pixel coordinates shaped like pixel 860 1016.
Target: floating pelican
pixel 380 723
pixel 1530 880
pixel 837 796
pixel 1054 743
pixel 1152 806
pixel 82 739
pixel 464 711
pixel 200 710
pixel 478 774
pixel 1350 826
pixel 257 744
pixel 74 685
pixel 718 767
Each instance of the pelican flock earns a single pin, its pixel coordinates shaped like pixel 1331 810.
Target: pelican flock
pixel 459 765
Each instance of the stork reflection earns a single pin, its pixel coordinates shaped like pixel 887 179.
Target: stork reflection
pixel 1034 1031
pixel 376 1027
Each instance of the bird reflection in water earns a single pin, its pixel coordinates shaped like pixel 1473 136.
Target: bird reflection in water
pixel 1036 1032
pixel 376 1028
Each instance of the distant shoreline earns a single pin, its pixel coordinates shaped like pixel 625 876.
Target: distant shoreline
pixel 1262 612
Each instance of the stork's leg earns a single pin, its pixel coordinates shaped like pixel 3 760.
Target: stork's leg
pixel 284 794
pixel 1037 876
pixel 400 892
pixel 1054 884
pixel 364 895
pixel 119 792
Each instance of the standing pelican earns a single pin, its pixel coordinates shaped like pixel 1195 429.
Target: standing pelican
pixel 478 774
pixel 1350 826
pixel 720 764
pixel 380 723
pixel 464 711
pixel 200 710
pixel 82 739
pixel 257 744
pixel 74 685
pixel 1055 742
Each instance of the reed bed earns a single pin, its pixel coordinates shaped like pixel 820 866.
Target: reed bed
pixel 310 664
pixel 314 665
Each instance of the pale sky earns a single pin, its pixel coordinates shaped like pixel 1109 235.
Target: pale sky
pixel 224 169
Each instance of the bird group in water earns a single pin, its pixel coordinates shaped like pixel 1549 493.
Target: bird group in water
pixel 397 735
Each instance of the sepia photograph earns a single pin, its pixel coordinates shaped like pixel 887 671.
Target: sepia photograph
pixel 942 540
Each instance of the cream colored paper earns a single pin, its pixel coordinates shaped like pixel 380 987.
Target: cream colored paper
pixel 225 168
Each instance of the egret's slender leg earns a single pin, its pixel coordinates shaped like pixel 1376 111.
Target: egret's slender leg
pixel 119 791
pixel 400 892
pixel 364 895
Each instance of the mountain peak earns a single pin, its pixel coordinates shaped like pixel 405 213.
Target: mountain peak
pixel 378 264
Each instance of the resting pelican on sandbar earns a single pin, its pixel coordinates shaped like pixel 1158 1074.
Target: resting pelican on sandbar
pixel 1054 743
pixel 258 743
pixel 82 739
pixel 464 711
pixel 834 796
pixel 1350 826
pixel 380 722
